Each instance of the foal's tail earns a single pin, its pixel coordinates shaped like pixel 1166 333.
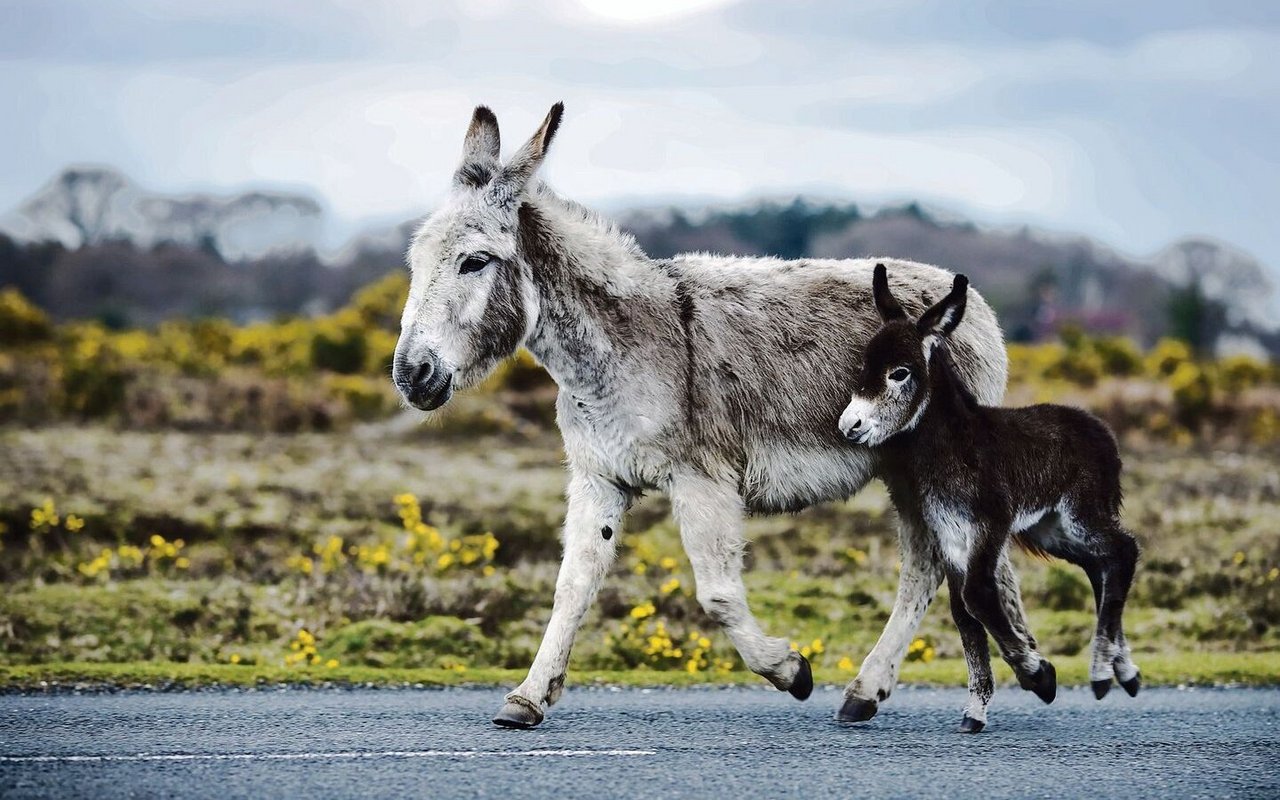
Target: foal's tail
pixel 1031 548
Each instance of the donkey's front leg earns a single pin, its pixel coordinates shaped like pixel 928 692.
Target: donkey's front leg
pixel 710 515
pixel 591 531
pixel 917 585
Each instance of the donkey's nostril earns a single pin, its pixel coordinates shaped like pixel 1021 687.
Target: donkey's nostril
pixel 421 374
pixel 856 424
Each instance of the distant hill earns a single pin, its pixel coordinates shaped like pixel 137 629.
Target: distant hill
pixel 91 243
pixel 93 205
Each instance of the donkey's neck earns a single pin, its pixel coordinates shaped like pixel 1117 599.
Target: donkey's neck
pixel 592 281
pixel 952 408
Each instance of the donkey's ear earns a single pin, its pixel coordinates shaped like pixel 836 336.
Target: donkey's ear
pixel 886 303
pixel 945 315
pixel 523 165
pixel 480 150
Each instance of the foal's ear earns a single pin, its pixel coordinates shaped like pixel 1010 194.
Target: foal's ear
pixel 886 303
pixel 523 165
pixel 480 150
pixel 945 315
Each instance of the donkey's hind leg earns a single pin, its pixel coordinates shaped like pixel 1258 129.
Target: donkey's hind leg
pixel 710 515
pixel 977 656
pixel 1110 558
pixel 917 585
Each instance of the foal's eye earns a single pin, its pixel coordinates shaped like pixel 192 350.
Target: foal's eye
pixel 900 374
pixel 475 263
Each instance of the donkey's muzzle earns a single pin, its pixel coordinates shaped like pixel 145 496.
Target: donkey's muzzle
pixel 426 385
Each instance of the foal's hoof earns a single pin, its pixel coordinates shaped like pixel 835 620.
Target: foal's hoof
pixel 971 725
pixel 1132 685
pixel 855 709
pixel 1100 688
pixel 1044 682
pixel 802 684
pixel 518 713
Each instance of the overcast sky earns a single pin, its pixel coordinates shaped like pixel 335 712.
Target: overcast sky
pixel 1136 122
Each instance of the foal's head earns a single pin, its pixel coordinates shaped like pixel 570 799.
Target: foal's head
pixel 472 300
pixel 893 390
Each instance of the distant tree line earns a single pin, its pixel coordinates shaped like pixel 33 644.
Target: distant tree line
pixel 1036 285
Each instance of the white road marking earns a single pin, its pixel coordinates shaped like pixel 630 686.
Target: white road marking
pixel 354 754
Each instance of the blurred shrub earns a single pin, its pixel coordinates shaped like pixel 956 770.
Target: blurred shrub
pixel 327 372
pixel 20 321
pixel 1066 588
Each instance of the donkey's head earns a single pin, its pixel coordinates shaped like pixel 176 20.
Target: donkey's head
pixel 893 390
pixel 472 301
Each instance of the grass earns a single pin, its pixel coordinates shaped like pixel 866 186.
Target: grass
pixel 1205 607
pixel 1251 669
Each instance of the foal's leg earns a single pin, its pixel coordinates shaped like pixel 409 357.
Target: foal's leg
pixel 1011 598
pixel 977 656
pixel 1110 564
pixel 710 515
pixel 917 584
pixel 591 529
pixel 985 589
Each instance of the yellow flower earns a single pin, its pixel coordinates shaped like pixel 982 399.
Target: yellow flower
pixel 845 664
pixel 1274 573
pixel 444 561
pixel 670 586
pixel 704 642
pixel 74 523
pixel 488 570
pixel 331 663
pixel 817 646
pixel 927 655
pixel 643 610
pixel 640 568
pixel 668 563
pixel 157 540
pixel 235 658
pixel 46 516
pixel 1238 558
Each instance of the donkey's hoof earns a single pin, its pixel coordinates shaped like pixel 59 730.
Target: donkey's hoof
pixel 855 709
pixel 1132 685
pixel 518 713
pixel 971 725
pixel 1100 688
pixel 1044 682
pixel 802 684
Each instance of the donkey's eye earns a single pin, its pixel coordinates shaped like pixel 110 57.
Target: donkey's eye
pixel 474 263
pixel 900 374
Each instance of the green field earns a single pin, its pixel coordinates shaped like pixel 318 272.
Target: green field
pixel 232 558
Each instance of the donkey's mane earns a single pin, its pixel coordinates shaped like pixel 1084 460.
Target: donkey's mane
pixel 600 224
pixel 951 376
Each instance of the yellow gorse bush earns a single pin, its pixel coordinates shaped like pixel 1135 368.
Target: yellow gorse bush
pixel 305 652
pixel 159 557
pixel 417 546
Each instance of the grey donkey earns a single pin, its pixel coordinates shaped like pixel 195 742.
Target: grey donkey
pixel 717 380
pixel 1046 477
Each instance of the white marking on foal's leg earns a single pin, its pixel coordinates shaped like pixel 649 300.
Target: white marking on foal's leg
pixel 1126 670
pixel 710 515
pixel 593 505
pixel 917 585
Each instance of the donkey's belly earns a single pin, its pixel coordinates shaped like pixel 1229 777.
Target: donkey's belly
pixel 789 479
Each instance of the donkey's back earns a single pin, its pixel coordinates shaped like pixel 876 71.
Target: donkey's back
pixel 772 350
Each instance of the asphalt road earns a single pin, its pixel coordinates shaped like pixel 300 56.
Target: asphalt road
pixel 603 743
